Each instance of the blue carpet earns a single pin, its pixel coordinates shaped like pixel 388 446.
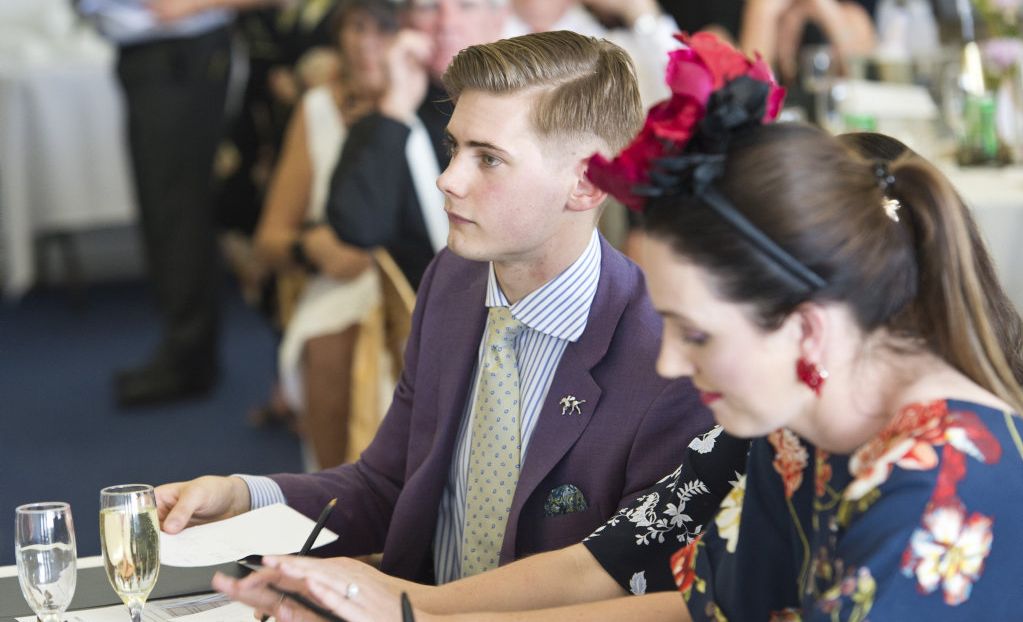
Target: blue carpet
pixel 61 434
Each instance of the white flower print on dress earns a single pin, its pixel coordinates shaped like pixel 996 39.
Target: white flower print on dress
pixel 637 585
pixel 655 517
pixel 728 517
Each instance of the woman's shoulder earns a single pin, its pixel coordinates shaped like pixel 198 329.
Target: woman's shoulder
pixel 921 518
pixel 945 439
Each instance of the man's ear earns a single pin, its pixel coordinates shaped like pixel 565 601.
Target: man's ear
pixel 585 195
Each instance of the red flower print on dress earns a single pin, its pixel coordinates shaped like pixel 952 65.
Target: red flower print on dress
pixel 786 615
pixel 790 459
pixel 683 566
pixel 823 472
pixel 909 442
pixel 948 550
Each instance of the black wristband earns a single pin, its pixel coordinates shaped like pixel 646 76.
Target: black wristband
pixel 299 257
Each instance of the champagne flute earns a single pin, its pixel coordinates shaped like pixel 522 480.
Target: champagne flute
pixel 129 533
pixel 44 545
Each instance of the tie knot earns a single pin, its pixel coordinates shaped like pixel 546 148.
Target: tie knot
pixel 503 324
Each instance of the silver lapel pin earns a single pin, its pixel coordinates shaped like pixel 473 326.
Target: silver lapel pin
pixel 570 405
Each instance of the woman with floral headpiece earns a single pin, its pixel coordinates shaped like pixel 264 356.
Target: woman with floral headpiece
pixel 839 311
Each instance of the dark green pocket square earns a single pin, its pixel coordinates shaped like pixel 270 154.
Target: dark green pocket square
pixel 564 499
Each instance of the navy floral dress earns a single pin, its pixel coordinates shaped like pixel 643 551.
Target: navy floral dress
pixel 923 522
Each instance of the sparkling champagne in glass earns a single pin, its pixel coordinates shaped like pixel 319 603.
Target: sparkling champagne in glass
pixel 129 533
pixel 44 546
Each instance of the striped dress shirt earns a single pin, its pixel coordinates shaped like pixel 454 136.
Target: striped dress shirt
pixel 554 316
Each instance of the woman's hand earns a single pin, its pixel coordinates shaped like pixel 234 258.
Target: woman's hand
pixel 408 61
pixel 351 589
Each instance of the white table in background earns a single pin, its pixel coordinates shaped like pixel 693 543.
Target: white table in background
pixel 63 152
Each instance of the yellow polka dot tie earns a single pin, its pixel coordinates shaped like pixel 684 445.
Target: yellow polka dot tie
pixel 495 447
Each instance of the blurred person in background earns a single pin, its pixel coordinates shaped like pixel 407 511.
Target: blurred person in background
pixel 287 50
pixel 778 29
pixel 641 28
pixel 173 63
pixel 383 192
pixel 342 286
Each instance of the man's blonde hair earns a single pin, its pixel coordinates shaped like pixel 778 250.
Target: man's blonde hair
pixel 585 86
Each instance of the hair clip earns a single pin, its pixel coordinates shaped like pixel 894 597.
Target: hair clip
pixel 891 208
pixel 884 177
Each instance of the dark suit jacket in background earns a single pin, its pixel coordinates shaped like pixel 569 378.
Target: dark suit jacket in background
pixel 633 429
pixel 372 201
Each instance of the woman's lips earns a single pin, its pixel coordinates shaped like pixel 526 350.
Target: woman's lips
pixel 709 397
pixel 458 220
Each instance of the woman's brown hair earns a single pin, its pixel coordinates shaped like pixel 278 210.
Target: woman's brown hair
pixel 926 277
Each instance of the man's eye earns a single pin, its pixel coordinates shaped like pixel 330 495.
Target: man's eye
pixel 695 338
pixel 489 161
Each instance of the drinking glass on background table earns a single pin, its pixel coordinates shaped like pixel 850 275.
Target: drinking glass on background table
pixel 44 547
pixel 129 533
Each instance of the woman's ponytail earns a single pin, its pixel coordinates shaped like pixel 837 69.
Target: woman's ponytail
pixel 960 309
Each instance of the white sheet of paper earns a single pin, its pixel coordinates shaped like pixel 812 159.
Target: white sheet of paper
pixel 206 608
pixel 273 530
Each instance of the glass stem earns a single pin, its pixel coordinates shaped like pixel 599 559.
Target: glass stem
pixel 49 617
pixel 135 609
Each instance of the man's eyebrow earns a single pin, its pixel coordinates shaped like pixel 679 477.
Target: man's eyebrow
pixel 477 144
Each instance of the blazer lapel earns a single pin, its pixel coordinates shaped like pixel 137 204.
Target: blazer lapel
pixel 456 348
pixel 454 344
pixel 555 433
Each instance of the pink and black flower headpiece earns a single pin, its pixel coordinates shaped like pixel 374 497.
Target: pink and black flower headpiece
pixel 717 94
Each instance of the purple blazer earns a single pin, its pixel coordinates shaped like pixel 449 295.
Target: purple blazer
pixel 632 431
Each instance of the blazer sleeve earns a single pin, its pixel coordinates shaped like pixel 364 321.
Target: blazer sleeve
pixel 371 182
pixel 367 489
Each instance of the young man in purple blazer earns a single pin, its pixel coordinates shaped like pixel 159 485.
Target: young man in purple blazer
pixel 529 409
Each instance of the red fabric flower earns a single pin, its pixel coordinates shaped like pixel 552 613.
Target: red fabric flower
pixel 674 119
pixel 723 64
pixel 628 169
pixel 688 76
pixel 722 60
pixel 693 74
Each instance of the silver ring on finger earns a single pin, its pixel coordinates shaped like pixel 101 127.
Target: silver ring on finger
pixel 351 591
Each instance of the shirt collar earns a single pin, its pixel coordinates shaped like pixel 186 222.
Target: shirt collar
pixel 561 306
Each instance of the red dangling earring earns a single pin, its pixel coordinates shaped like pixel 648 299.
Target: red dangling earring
pixel 811 374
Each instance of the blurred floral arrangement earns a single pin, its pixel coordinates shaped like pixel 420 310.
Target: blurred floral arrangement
pixel 1003 46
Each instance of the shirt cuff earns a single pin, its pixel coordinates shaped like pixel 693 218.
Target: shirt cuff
pixel 263 491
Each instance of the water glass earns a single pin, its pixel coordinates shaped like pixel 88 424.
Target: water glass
pixel 44 547
pixel 129 533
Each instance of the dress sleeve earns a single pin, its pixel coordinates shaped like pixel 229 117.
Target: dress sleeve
pixel 636 544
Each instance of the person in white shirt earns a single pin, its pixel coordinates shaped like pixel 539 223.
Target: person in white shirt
pixel 648 35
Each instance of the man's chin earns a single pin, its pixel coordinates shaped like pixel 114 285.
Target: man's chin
pixel 466 250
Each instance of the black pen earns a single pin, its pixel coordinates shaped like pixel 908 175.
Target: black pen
pixel 406 609
pixel 308 546
pixel 320 522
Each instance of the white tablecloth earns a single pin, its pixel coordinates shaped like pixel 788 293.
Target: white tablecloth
pixel 63 155
pixel 996 198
